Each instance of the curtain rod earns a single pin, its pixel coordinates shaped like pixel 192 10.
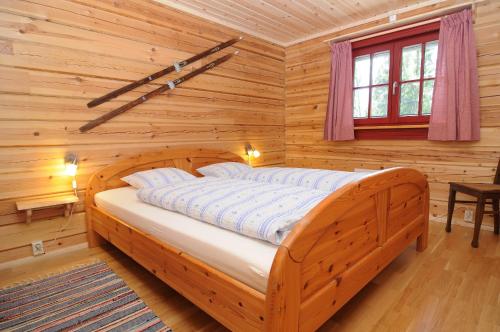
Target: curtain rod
pixel 404 23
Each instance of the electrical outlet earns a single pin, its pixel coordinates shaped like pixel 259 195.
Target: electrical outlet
pixel 468 215
pixel 37 247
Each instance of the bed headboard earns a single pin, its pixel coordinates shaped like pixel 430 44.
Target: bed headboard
pixel 188 159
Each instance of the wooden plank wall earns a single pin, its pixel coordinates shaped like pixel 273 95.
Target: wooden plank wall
pixel 307 76
pixel 56 55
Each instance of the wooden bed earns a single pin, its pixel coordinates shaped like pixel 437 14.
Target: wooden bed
pixel 332 253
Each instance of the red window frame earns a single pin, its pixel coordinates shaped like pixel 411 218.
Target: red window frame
pixel 394 43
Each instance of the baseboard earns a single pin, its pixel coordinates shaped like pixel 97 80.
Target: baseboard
pixel 461 223
pixel 53 253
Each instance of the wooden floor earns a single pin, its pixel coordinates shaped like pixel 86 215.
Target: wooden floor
pixel 449 287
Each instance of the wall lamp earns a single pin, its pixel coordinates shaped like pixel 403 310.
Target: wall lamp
pixel 71 166
pixel 251 152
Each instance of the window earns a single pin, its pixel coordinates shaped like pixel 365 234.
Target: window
pixel 393 83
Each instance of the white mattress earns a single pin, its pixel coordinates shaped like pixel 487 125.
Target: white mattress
pixel 245 259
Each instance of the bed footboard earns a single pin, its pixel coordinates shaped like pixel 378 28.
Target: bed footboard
pixel 344 243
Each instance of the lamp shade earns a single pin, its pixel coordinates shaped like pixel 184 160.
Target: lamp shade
pixel 70 169
pixel 251 151
pixel 70 164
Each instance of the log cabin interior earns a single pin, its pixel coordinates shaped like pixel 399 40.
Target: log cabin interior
pixel 249 165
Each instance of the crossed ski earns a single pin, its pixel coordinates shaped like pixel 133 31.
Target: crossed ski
pixel 169 86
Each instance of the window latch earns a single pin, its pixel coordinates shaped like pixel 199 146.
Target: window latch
pixel 394 87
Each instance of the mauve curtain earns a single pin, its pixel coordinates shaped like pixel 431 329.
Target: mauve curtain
pixel 339 123
pixel 455 103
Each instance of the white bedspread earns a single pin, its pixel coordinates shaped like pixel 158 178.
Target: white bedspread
pixel 243 258
pixel 259 210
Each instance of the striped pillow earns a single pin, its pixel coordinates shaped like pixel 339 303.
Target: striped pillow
pixel 225 170
pixel 158 177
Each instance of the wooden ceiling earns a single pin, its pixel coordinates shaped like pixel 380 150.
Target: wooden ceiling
pixel 286 22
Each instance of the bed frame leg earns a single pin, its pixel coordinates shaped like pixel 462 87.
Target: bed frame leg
pixel 422 241
pixel 93 238
pixel 283 297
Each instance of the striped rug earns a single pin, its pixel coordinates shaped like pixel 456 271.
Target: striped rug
pixel 88 298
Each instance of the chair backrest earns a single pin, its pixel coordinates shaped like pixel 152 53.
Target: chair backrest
pixel 497 174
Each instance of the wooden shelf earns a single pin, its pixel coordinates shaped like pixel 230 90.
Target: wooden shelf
pixel 40 203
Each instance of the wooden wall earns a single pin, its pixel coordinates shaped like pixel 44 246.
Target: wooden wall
pixel 307 76
pixel 56 55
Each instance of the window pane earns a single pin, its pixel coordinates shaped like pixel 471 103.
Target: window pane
pixel 410 63
pixel 380 67
pixel 379 102
pixel 431 50
pixel 361 103
pixel 362 71
pixel 427 97
pixel 408 103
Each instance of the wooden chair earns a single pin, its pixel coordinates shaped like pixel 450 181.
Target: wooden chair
pixel 485 193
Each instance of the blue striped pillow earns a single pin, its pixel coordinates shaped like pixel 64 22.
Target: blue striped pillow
pixel 225 170
pixel 158 177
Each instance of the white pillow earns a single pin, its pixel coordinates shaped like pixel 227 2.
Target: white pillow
pixel 225 170
pixel 158 177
